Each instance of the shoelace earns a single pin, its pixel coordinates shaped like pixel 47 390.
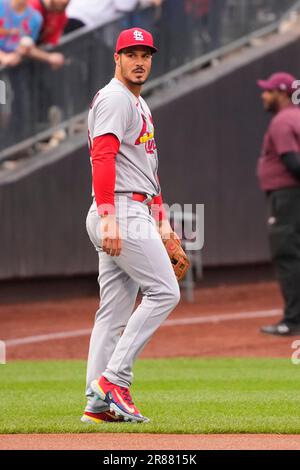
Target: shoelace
pixel 126 395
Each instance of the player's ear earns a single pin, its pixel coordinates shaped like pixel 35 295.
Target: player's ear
pixel 117 58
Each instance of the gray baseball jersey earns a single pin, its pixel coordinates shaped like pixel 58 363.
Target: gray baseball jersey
pixel 115 110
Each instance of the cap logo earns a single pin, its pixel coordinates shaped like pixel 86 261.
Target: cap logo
pixel 283 86
pixel 138 35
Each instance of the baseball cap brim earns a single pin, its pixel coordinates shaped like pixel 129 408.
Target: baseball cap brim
pixel 265 85
pixel 134 44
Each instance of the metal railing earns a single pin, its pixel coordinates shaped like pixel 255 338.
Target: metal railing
pixel 38 98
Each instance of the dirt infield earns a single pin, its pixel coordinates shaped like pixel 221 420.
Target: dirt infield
pixel 236 335
pixel 223 321
pixel 149 442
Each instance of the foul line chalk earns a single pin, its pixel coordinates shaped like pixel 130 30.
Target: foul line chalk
pixel 200 320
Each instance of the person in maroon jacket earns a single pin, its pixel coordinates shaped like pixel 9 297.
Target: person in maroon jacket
pixel 279 176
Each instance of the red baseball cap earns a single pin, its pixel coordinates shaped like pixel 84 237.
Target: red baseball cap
pixel 135 37
pixel 281 81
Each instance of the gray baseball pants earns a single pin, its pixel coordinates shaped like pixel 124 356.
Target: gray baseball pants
pixel 119 334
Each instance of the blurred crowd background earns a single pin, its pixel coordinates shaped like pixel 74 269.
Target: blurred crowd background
pixel 55 54
pixel 28 25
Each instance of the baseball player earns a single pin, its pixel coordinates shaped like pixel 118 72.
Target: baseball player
pixel 126 224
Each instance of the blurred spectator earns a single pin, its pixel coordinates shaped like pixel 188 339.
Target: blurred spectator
pixel 197 8
pixel 173 45
pixel 19 29
pixel 54 19
pixel 20 25
pixel 217 8
pixel 97 12
pixel 197 15
pixel 204 20
pixel 143 19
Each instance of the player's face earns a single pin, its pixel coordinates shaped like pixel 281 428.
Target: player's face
pixel 270 100
pixel 135 64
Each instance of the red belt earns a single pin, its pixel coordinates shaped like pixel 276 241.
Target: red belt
pixel 142 198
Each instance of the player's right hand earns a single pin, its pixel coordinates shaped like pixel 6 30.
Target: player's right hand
pixel 110 235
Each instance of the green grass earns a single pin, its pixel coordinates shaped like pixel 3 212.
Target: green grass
pixel 179 395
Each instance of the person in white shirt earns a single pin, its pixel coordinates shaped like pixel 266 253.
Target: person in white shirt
pixel 98 12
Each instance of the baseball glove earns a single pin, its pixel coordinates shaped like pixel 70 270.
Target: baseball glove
pixel 177 256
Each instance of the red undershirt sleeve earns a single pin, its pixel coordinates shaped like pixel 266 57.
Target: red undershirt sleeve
pixel 157 208
pixel 103 155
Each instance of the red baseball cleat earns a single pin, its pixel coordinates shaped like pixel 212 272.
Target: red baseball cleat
pixel 119 400
pixel 104 417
